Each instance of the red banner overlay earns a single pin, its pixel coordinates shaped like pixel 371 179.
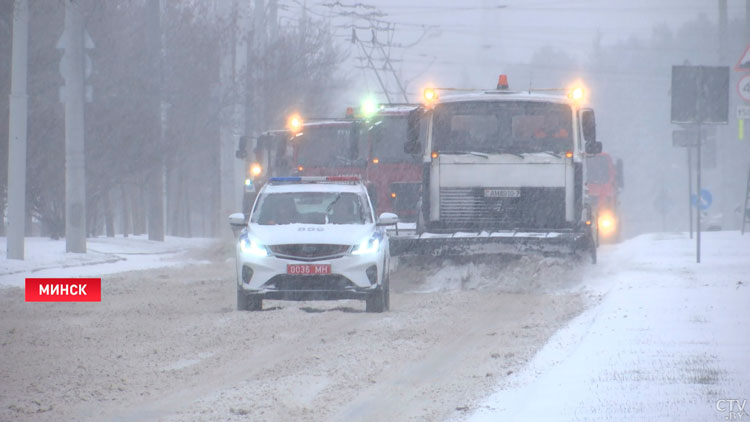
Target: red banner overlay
pixel 63 289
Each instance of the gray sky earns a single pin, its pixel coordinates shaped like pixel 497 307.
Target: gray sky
pixel 471 41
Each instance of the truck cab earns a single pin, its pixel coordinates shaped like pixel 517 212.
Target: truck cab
pixel 502 160
pixel 330 147
pixel 394 177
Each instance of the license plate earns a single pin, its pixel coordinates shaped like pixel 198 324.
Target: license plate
pixel 502 193
pixel 308 269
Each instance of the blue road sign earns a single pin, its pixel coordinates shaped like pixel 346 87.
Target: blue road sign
pixel 705 200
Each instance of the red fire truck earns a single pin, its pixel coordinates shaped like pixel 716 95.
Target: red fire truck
pixel 604 180
pixel 394 176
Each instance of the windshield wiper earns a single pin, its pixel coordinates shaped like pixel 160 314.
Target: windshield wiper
pixel 517 154
pixel 336 199
pixel 478 154
pixel 552 154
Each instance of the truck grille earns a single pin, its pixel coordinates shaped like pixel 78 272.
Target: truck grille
pixel 469 209
pixel 309 252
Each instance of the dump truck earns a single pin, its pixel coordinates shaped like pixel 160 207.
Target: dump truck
pixel 502 172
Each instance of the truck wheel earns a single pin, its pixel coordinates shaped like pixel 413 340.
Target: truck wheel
pixel 593 250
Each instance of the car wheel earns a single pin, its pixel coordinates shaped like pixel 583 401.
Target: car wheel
pixel 387 292
pixel 376 301
pixel 248 303
pixel 241 300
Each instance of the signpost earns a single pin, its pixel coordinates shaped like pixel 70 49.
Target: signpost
pixel 700 95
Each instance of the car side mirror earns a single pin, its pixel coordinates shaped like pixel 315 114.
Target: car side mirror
pixel 387 219
pixel 237 221
pixel 620 176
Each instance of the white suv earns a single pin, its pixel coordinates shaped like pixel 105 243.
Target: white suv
pixel 312 238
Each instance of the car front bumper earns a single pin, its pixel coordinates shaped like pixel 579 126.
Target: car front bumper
pixel 348 278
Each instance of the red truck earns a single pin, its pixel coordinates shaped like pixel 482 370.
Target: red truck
pixel 394 177
pixel 331 147
pixel 604 180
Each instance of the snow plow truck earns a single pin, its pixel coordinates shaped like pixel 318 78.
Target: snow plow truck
pixel 502 173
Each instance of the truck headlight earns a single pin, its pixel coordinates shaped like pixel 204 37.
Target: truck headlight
pixel 252 247
pixel 367 246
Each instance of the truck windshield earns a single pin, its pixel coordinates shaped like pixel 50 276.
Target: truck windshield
pixel 311 208
pixel 388 138
pixel 597 169
pixel 326 146
pixel 503 126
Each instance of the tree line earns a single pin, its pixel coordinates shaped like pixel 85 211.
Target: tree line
pixel 142 86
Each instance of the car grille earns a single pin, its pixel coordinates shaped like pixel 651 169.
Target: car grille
pixel 535 208
pixel 309 282
pixel 309 252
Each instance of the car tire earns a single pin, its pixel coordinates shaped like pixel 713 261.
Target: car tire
pixel 248 303
pixel 387 293
pixel 376 301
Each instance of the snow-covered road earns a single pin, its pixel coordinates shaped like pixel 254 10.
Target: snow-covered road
pixel 668 342
pixel 662 339
pixel 165 344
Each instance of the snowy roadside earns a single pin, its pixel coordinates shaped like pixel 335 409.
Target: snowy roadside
pixel 668 341
pixel 47 258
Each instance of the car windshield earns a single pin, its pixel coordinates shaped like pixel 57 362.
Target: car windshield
pixel 503 126
pixel 326 146
pixel 388 138
pixel 311 208
pixel 597 169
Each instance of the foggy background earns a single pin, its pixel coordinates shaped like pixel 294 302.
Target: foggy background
pixel 311 57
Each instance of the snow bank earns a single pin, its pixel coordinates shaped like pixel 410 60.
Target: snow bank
pixel 666 343
pixel 47 258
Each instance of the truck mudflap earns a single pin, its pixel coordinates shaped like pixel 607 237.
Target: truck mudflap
pixel 548 243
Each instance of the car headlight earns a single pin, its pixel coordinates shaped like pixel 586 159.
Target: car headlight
pixel 367 246
pixel 252 247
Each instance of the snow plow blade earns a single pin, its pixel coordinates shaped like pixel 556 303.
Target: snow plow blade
pixel 557 243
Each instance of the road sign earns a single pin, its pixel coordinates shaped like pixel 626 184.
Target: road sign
pixel 685 138
pixel 743 112
pixel 705 200
pixel 700 94
pixel 744 64
pixel 743 87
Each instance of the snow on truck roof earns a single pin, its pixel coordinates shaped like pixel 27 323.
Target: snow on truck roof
pixel 397 109
pixel 505 96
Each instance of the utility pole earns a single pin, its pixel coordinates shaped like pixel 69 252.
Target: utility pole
pixel 722 32
pixel 273 19
pixel 17 133
pixel 232 77
pixel 259 47
pixel 156 173
pixel 75 171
